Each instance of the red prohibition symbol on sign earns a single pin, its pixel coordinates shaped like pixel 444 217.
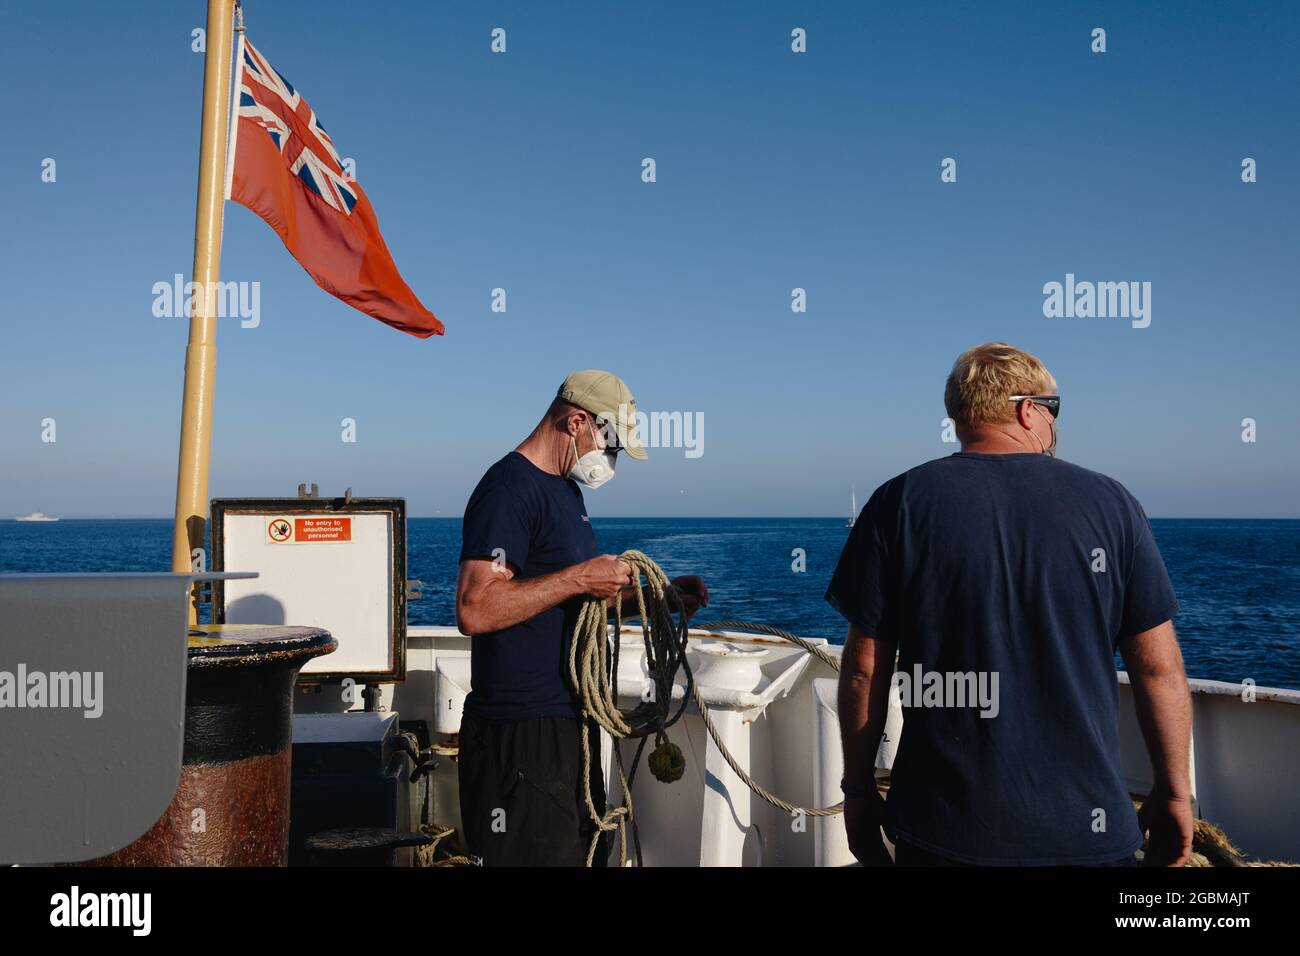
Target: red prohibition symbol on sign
pixel 279 529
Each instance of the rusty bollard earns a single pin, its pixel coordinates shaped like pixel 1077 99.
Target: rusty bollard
pixel 231 806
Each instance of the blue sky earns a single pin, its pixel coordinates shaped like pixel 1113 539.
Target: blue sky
pixel 775 171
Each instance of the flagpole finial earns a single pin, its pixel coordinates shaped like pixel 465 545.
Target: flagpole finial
pixel 239 16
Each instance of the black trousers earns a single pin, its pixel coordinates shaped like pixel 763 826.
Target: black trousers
pixel 521 796
pixel 909 854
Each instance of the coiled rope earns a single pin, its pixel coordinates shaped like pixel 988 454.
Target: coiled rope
pixel 590 671
pixel 665 640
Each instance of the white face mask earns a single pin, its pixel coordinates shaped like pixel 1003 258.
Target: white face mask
pixel 595 467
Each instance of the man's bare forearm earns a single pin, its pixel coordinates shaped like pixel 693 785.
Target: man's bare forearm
pixel 489 598
pixel 1163 704
pixel 504 602
pixel 866 667
pixel 1164 712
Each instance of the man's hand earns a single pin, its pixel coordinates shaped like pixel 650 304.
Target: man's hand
pixel 693 592
pixel 603 576
pixel 862 819
pixel 1169 822
pixel 1164 711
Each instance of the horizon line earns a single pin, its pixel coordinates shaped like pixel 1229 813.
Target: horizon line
pixel 787 517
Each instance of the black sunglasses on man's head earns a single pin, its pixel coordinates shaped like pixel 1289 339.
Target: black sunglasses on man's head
pixel 1050 402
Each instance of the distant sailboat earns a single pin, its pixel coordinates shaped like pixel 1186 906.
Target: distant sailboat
pixel 36 516
pixel 853 508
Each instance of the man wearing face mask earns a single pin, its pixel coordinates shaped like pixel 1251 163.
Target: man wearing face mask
pixel 528 559
pixel 1027 572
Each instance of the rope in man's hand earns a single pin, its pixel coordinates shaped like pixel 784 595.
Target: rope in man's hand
pixel 590 668
pixel 665 639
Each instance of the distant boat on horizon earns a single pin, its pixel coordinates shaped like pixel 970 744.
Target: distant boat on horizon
pixel 35 516
pixel 853 507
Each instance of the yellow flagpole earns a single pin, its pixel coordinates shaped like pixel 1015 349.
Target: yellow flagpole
pixel 201 352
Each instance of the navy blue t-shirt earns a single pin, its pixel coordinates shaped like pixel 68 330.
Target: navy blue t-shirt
pixel 1031 569
pixel 537 523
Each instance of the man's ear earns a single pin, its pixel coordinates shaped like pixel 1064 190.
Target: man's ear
pixel 1024 413
pixel 573 422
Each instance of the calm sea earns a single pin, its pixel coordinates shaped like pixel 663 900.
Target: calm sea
pixel 1238 581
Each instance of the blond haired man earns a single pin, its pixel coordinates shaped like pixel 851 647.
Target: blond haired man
pixel 1006 579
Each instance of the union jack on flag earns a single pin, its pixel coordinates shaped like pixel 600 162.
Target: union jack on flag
pixel 283 166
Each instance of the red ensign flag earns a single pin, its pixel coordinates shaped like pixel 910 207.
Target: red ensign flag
pixel 284 167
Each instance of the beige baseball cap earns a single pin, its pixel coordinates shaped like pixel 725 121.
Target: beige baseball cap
pixel 606 396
